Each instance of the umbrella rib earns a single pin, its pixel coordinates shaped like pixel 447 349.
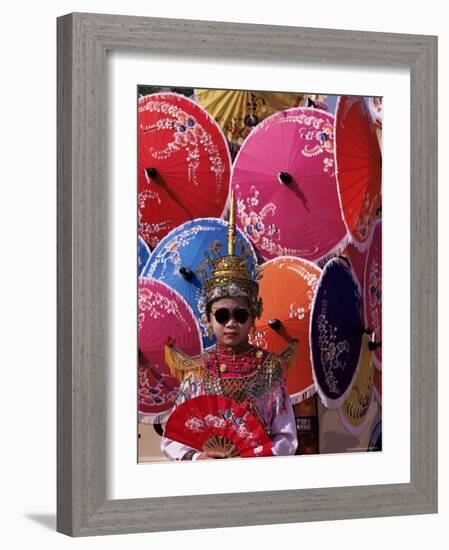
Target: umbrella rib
pixel 361 192
pixel 356 144
pixel 346 187
pixel 356 131
pixel 341 154
pixel 355 168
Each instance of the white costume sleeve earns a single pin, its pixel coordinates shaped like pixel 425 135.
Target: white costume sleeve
pixel 174 450
pixel 283 431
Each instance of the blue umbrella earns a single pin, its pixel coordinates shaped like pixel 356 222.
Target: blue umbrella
pixel 336 330
pixel 143 253
pixel 182 260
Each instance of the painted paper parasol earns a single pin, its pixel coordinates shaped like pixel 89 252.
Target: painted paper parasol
pixel 357 259
pixel 359 408
pixel 285 186
pixel 372 293
pixel 143 254
pixel 358 161
pixel 162 313
pixel 183 164
pixel 183 259
pixel 214 422
pixel 287 288
pixel 239 111
pixel 336 331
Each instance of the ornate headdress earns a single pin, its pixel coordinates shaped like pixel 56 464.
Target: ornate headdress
pixel 231 276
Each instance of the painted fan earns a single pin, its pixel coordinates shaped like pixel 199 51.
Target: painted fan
pixel 213 422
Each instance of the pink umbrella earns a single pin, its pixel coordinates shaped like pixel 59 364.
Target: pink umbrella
pixel 357 259
pixel 372 292
pixel 285 186
pixel 162 313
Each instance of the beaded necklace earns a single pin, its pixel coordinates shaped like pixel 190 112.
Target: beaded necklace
pixel 234 361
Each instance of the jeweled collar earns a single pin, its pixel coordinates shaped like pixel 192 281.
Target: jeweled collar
pixel 234 361
pixel 239 349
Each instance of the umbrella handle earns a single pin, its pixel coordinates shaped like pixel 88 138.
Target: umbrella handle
pixel 374 345
pixel 285 177
pixel 186 272
pixel 151 172
pixel 362 330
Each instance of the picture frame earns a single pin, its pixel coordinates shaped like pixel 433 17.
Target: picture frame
pixel 83 41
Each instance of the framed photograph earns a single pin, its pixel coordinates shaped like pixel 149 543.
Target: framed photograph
pixel 119 411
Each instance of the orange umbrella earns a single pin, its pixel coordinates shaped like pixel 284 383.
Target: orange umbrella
pixel 287 289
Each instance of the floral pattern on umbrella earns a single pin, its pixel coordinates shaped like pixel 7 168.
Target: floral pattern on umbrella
pixel 183 164
pixel 238 112
pixel 183 259
pixel 284 182
pixel 162 313
pixel 287 288
pixel 336 333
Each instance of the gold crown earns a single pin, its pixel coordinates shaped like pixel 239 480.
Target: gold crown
pixel 231 276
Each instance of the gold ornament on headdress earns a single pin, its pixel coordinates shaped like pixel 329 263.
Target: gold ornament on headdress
pixel 231 276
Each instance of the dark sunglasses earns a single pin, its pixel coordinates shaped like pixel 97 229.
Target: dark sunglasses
pixel 223 314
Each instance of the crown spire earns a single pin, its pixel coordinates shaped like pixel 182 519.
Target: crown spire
pixel 231 275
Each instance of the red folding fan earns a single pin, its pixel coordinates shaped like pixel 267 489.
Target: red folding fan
pixel 213 422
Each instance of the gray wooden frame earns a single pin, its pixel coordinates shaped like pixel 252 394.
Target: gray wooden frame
pixel 83 40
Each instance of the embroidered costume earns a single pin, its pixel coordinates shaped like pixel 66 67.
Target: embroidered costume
pixel 243 373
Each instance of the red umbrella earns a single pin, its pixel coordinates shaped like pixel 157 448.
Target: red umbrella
pixel 162 313
pixel 359 167
pixel 183 166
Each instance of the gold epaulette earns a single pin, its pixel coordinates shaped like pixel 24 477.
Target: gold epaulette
pixel 181 364
pixel 288 356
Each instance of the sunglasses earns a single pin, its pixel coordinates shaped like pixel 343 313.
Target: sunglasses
pixel 223 314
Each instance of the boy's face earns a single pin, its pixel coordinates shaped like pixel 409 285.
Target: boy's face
pixel 232 331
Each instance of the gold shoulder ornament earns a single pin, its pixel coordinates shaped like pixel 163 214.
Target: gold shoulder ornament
pixel 288 356
pixel 180 364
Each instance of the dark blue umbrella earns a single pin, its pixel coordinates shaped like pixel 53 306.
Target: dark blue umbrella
pixel 183 259
pixel 336 331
